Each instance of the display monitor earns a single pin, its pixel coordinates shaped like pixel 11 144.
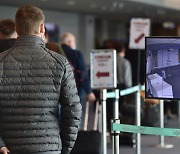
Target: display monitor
pixel 162 67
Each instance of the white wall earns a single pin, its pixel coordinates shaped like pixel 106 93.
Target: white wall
pixel 82 26
pixel 66 21
pixel 168 58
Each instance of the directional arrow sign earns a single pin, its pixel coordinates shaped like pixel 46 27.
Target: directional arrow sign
pixel 103 69
pixel 139 38
pixel 102 74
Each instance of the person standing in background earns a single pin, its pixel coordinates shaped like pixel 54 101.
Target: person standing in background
pixel 33 82
pixel 52 45
pixel 75 57
pixel 124 80
pixel 8 34
pixel 124 71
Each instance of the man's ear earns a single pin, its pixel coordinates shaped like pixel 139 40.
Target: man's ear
pixel 16 29
pixel 42 29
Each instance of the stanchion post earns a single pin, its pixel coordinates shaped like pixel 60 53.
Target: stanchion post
pixel 161 121
pixel 161 138
pixel 138 122
pixel 179 112
pixel 104 124
pixel 115 134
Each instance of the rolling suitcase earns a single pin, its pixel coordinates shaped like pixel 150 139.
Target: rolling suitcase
pixel 88 142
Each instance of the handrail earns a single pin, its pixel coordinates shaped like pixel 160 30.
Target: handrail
pixel 126 91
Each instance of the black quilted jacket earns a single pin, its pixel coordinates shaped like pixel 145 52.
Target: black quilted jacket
pixel 33 81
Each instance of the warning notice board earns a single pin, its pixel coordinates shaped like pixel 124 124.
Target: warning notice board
pixel 103 69
pixel 139 29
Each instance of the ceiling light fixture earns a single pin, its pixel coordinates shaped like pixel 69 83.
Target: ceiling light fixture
pixel 93 6
pixel 121 5
pixel 71 2
pixel 114 4
pixel 104 7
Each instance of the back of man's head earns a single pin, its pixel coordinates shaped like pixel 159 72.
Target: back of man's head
pixel 28 20
pixel 120 49
pixel 7 29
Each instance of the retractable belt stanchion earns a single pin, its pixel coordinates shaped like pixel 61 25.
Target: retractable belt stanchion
pixel 117 120
pixel 138 122
pixel 162 121
pixel 115 134
pixel 179 112
pixel 161 138
pixel 103 96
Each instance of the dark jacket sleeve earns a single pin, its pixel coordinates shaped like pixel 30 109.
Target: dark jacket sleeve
pixel 70 110
pixel 82 66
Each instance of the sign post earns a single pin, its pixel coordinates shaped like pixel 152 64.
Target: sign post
pixel 139 29
pixel 103 76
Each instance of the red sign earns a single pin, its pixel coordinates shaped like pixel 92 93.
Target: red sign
pixel 139 38
pixel 102 74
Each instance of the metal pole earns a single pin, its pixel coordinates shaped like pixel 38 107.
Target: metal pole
pixel 115 135
pixel 161 121
pixel 161 138
pixel 179 113
pixel 138 122
pixel 104 125
pixel 138 66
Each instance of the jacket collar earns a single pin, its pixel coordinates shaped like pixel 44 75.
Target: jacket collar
pixel 66 47
pixel 29 40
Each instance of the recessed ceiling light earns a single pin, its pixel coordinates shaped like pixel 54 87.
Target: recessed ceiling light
pixel 93 6
pixel 104 7
pixel 121 5
pixel 114 4
pixel 71 2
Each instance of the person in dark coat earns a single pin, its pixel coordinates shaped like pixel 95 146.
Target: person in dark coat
pixel 34 80
pixel 8 34
pixel 76 60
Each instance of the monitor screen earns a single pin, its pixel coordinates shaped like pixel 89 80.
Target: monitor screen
pixel 162 67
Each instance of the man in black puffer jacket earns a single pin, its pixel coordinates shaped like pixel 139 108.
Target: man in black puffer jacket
pixel 33 81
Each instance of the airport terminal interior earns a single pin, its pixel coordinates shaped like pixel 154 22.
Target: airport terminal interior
pixel 149 32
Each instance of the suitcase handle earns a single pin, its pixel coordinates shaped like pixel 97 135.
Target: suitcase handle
pixel 87 116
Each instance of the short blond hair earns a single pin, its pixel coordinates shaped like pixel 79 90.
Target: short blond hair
pixel 28 19
pixel 66 37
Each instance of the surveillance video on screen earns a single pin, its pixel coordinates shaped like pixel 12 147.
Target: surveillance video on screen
pixel 162 67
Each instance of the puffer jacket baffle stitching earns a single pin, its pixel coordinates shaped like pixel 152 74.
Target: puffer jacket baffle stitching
pixel 33 80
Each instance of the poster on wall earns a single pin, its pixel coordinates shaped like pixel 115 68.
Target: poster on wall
pixel 139 29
